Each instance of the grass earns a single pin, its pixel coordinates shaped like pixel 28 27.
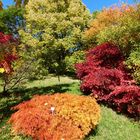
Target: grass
pixel 112 126
pixel 115 127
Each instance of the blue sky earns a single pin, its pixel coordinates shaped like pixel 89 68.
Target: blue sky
pixel 94 5
pixel 91 4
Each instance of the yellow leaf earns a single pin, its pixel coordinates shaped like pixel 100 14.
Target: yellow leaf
pixel 2 70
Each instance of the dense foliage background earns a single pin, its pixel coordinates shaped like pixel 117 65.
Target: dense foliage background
pixel 61 37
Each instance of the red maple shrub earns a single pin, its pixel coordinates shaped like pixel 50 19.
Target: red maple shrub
pixel 5 38
pixel 7 51
pixel 126 99
pixel 101 81
pixel 104 76
pixel 106 55
pixel 56 117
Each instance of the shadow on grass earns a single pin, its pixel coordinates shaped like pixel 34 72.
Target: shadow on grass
pixel 92 133
pixel 22 94
pixel 29 92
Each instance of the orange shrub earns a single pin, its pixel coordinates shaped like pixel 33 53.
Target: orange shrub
pixel 56 117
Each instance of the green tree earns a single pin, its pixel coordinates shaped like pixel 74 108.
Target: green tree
pixel 54 30
pixel 94 14
pixel 11 19
pixel 133 63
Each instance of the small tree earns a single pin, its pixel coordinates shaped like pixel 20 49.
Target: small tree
pixel 7 55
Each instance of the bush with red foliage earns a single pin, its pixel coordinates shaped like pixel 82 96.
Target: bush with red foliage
pixel 7 51
pixel 104 76
pixel 126 99
pixel 56 117
pixel 5 38
pixel 101 81
pixel 106 55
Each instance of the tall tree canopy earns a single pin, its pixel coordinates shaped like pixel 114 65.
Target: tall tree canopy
pixel 54 30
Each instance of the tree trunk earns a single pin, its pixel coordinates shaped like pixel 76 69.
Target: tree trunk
pixel 5 92
pixel 59 78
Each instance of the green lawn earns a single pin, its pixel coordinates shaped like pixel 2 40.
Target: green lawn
pixel 112 126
